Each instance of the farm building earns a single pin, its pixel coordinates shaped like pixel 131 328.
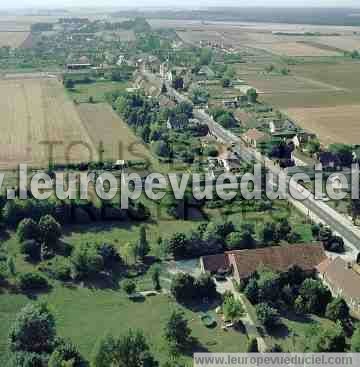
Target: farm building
pixel 230 103
pixel 277 124
pixel 343 279
pixel 229 161
pixel 82 63
pixel 302 137
pixel 243 263
pixel 254 137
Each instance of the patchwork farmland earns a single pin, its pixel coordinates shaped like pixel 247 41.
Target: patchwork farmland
pixel 294 49
pixel 331 124
pixel 34 111
pixel 12 39
pixel 105 127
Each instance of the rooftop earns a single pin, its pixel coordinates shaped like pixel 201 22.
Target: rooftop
pixel 213 263
pixel 343 275
pixel 278 258
pixel 255 134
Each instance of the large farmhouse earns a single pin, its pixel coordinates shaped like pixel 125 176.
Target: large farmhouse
pixel 243 263
pixel 343 279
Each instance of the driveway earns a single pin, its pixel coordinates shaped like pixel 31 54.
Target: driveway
pixel 249 323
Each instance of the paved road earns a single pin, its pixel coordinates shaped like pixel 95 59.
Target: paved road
pixel 329 216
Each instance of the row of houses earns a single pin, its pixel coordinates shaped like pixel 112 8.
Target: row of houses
pixel 227 161
pixel 217 45
pixel 341 277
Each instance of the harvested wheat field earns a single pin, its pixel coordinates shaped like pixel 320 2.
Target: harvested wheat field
pixel 105 127
pixel 339 124
pixel 194 36
pixel 294 49
pixel 38 110
pixel 12 39
pixel 346 43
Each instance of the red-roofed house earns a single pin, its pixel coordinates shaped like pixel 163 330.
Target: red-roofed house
pixel 278 258
pixel 343 279
pixel 254 137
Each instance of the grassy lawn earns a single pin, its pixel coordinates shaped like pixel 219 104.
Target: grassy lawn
pixel 116 233
pixel 293 330
pixel 97 90
pixel 85 314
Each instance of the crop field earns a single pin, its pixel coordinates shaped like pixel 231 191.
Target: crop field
pixel 277 84
pixel 342 74
pixel 194 36
pixel 105 126
pixel 12 39
pixel 339 124
pixel 310 83
pixel 346 43
pixel 250 26
pixel 23 23
pixel 281 45
pixel 34 111
pixel 294 49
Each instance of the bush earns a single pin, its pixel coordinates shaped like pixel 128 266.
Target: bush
pixel 50 230
pixel 16 210
pixel 177 332
pixel 109 254
pixel 232 308
pixel 251 291
pixel 33 281
pixel 205 287
pixel 33 330
pixel 252 346
pixel 329 339
pixel 138 211
pixel 60 269
pixel 31 249
pixel 337 310
pixel 234 241
pixel 183 287
pixel 128 350
pixel 315 296
pixel 161 149
pixel 27 229
pixel 26 359
pixel 86 261
pixel 3 272
pixel 267 315
pixel 66 352
pixel 155 276
pixel 129 286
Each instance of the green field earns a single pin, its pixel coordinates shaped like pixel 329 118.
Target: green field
pixel 79 311
pixel 312 82
pixel 84 315
pixel 292 330
pixel 97 90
